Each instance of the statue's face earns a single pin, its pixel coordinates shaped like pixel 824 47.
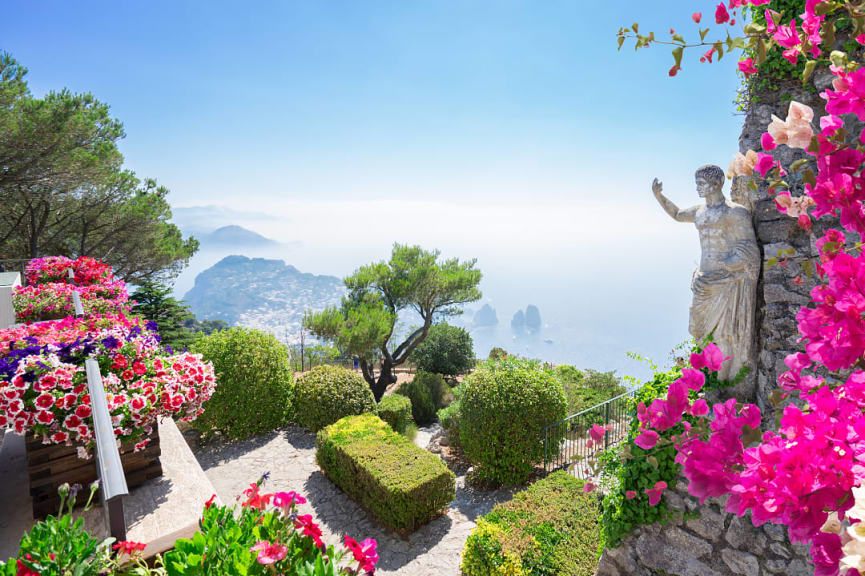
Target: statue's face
pixel 704 187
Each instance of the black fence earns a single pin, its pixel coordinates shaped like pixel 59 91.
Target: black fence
pixel 568 445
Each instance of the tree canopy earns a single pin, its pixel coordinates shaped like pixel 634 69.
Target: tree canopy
pixel 448 350
pixel 154 302
pixel 413 280
pixel 64 190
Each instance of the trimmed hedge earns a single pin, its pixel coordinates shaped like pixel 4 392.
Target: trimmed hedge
pixel 396 411
pixel 402 485
pixel 254 383
pixel 549 528
pixel 427 392
pixel 327 393
pixel 503 411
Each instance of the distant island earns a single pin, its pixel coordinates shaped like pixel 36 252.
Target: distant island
pixel 261 293
pixel 528 320
pixel 486 316
pixel 235 237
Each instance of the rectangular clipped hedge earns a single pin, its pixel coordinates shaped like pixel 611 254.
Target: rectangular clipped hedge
pixel 549 528
pixel 402 485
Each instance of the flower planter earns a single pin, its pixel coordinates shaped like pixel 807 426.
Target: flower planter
pixel 50 465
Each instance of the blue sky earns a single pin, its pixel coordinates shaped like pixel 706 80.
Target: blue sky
pixel 511 131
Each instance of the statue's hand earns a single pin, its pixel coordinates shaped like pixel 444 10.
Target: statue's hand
pixel 657 186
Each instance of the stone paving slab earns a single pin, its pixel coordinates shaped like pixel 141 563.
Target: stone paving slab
pixel 289 455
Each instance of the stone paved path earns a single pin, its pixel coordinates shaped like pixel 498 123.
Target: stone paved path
pixel 289 456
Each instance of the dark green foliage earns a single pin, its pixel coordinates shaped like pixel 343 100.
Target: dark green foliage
pixel 414 279
pixel 154 302
pixel 504 408
pixel 402 485
pixel 549 528
pixel 395 409
pixel 206 326
pixel 427 392
pixel 639 473
pixel 254 383
pixel 449 417
pixel 327 393
pixel 447 350
pixel 423 409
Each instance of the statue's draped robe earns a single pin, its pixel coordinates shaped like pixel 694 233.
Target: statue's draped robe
pixel 724 305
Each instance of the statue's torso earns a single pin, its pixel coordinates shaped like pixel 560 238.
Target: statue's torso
pixel 721 228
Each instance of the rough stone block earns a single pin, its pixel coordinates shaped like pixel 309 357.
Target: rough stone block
pixel 656 555
pixel 741 562
pixel 778 293
pixel 800 568
pixel 740 533
pixel 688 543
pixel 775 566
pixel 781 550
pixel 709 524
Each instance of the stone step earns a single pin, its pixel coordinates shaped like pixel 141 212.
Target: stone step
pixel 157 513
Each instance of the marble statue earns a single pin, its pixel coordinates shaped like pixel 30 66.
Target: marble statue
pixel 724 286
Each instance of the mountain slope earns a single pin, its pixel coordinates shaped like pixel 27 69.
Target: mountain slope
pixel 261 293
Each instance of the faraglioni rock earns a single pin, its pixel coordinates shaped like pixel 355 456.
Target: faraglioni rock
pixel 486 316
pixel 533 317
pixel 724 286
pixel 518 322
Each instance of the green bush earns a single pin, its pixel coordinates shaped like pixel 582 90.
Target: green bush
pixel 549 528
pixel 504 409
pixel 498 353
pixel 449 417
pixel 621 515
pixel 327 393
pixel 396 411
pixel 447 350
pixel 402 485
pixel 427 392
pixel 254 383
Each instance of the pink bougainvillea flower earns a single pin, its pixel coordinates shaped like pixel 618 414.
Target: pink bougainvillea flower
pixel 630 494
pixel 765 162
pixel 767 142
pixel 647 439
pixel 742 164
pixel 721 14
pixel 711 357
pixel 697 16
pixel 795 131
pixel 269 553
pixel 693 379
pixel 597 433
pixel 656 492
pixel 747 67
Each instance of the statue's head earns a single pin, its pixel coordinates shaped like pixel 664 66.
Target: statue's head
pixel 710 179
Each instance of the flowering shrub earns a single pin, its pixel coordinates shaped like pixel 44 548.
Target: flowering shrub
pixel 43 383
pixel 266 536
pixel 61 545
pixel 54 300
pixel 549 528
pixel 809 474
pixel 43 386
pixel 87 271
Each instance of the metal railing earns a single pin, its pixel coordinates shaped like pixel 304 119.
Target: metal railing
pixel 568 444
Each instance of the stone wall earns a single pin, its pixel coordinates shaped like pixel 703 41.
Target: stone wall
pixel 703 540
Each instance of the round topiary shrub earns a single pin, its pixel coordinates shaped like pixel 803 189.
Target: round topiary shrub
pixel 447 350
pixel 254 383
pixel 503 411
pixel 328 393
pixel 395 409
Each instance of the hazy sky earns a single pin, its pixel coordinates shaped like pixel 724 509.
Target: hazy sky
pixel 509 131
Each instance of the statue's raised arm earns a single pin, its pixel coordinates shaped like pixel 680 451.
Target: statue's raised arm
pixel 686 215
